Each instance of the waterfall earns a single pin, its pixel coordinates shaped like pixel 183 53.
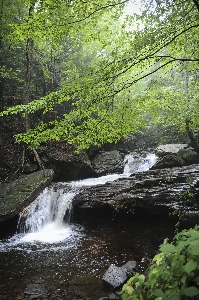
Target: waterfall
pixel 47 219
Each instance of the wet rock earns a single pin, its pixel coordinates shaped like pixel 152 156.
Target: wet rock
pixel 18 194
pixel 35 291
pixel 67 164
pixel 116 276
pixel 111 297
pixel 152 190
pixel 168 161
pixel 108 162
pixel 189 156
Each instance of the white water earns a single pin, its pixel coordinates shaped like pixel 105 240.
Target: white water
pixel 47 219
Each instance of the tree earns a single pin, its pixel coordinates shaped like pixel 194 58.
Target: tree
pixel 114 94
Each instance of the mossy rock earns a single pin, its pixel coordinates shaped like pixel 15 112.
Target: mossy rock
pixel 15 196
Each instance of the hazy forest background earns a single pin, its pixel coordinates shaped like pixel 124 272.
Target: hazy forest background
pixel 92 72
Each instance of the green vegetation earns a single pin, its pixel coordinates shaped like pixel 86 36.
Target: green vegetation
pixel 173 274
pixel 93 72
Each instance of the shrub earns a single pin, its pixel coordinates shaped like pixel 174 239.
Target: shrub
pixel 173 274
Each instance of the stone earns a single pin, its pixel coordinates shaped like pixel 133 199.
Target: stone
pixel 168 161
pixel 35 291
pixel 116 276
pixel 153 190
pixel 108 162
pixel 16 195
pixel 66 164
pixel 189 156
pixel 163 150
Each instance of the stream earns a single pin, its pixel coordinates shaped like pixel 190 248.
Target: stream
pixel 69 254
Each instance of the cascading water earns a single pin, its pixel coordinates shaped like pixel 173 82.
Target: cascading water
pixel 43 219
pixel 51 250
pixel 47 219
pixel 134 164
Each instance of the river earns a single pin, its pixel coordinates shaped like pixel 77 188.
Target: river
pixel 68 253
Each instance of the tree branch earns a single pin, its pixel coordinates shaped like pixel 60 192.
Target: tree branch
pixel 174 58
pixel 97 10
pixel 156 51
pixel 196 3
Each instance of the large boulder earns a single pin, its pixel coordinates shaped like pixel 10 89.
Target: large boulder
pixel 153 191
pixel 108 162
pixel 15 196
pixel 168 149
pixel 189 156
pixel 175 155
pixel 168 161
pixel 67 164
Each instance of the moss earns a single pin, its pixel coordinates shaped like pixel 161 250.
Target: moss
pixel 18 194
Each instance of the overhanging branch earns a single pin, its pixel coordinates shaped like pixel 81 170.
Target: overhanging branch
pixel 196 4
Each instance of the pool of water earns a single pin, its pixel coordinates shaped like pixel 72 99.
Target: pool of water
pixel 74 267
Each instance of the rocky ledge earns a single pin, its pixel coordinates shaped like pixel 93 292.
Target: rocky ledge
pixel 177 188
pixel 18 194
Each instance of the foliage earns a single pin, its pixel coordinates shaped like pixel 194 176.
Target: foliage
pixel 113 71
pixel 174 273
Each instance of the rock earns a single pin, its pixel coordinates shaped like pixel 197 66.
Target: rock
pixel 116 276
pixel 163 150
pixel 152 190
pixel 108 162
pixel 67 164
pixel 189 156
pixel 35 291
pixel 168 161
pixel 15 196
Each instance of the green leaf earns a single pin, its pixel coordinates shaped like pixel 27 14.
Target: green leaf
pixel 158 292
pixel 190 266
pixel 167 248
pixel 191 291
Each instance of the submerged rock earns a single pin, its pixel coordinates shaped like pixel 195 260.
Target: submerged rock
pixel 116 276
pixel 35 291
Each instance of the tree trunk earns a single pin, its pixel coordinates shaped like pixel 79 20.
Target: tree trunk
pixel 29 66
pixel 191 136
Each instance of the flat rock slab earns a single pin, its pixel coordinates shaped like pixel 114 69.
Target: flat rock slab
pixel 169 149
pixel 18 194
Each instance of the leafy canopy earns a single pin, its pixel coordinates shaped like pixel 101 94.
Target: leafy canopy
pixel 121 69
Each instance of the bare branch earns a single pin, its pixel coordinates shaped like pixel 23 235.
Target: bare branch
pixel 175 58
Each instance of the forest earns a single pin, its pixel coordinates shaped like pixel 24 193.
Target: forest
pixel 93 72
